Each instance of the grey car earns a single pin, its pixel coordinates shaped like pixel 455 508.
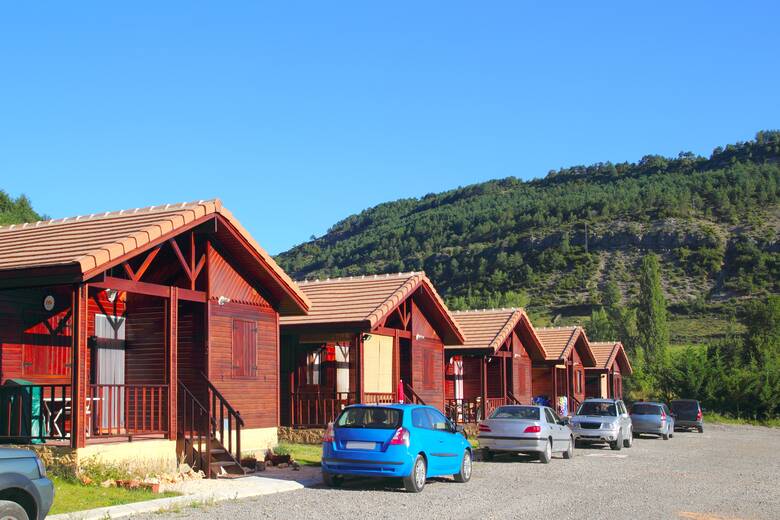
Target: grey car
pixel 603 421
pixel 526 429
pixel 652 419
pixel 25 492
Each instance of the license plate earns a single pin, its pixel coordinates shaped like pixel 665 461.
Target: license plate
pixel 357 445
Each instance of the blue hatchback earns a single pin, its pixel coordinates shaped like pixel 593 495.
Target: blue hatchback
pixel 413 442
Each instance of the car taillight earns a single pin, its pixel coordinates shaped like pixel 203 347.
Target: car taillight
pixel 484 428
pixel 401 436
pixel 328 436
pixel 698 415
pixel 532 429
pixel 663 416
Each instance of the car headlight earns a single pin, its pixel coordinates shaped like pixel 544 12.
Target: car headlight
pixel 611 426
pixel 41 467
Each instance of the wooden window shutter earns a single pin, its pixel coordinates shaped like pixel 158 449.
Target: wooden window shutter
pixel 244 348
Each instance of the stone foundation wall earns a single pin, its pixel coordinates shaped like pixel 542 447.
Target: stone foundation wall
pixel 301 435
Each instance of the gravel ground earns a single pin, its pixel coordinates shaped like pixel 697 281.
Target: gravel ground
pixel 728 472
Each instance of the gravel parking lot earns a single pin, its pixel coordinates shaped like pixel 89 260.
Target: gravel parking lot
pixel 728 472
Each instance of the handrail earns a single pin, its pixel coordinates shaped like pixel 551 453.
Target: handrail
pixel 511 397
pixel 192 430
pixel 222 398
pixel 408 390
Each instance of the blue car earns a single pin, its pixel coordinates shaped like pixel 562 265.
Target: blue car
pixel 412 442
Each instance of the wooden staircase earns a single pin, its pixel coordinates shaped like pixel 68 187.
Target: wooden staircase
pixel 209 436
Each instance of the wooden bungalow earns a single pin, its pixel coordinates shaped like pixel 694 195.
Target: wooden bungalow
pixel 560 378
pixel 369 339
pixel 493 367
pixel 605 380
pixel 156 323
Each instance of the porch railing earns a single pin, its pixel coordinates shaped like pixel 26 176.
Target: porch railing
pixel 226 421
pixel 471 411
pixel 410 396
pixel 491 403
pixel 31 413
pixel 317 409
pixel 379 397
pixel 127 410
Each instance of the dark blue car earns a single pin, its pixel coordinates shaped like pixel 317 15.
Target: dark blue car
pixel 412 442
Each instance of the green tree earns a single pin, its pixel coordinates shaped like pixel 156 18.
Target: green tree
pixel 652 325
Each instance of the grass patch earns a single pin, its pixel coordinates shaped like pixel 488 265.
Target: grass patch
pixel 724 419
pixel 304 454
pixel 70 496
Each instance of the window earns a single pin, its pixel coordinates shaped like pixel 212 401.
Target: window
pixel 550 416
pixel 429 374
pixel 244 348
pixel 598 409
pixel 420 419
pixel 646 409
pixel 314 367
pixel 370 417
pixel 516 412
pixel 438 420
pixel 46 343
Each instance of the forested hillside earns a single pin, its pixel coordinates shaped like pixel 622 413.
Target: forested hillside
pixel 14 211
pixel 553 243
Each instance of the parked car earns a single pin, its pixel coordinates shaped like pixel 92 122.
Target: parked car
pixel 688 415
pixel 25 492
pixel 652 419
pixel 526 429
pixel 412 442
pixel 600 421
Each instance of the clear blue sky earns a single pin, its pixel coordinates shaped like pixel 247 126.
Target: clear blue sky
pixel 298 116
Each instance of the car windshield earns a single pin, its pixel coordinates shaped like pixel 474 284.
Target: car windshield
pixel 599 409
pixel 685 406
pixel 372 417
pixel 516 412
pixel 645 409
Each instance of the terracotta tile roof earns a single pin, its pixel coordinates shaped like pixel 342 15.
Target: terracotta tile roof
pixel 366 300
pixel 490 328
pixel 607 352
pixel 86 243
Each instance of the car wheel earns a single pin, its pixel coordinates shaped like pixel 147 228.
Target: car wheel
pixel 12 511
pixel 618 444
pixel 665 436
pixel 628 442
pixel 546 455
pixel 701 429
pixel 415 482
pixel 569 453
pixel 332 480
pixel 465 468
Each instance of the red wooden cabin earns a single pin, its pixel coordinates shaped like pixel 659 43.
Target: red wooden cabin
pixel 605 380
pixel 493 368
pixel 562 373
pixel 365 340
pixel 158 322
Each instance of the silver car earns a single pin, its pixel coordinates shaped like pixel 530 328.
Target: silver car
pixel 525 429
pixel 652 419
pixel 603 421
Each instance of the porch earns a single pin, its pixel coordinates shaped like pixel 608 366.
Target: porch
pixel 477 384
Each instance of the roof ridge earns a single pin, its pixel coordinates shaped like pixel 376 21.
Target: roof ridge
pixel 375 276
pixel 413 280
pixel 161 208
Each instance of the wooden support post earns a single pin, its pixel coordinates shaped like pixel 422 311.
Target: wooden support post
pixel 555 387
pixel 483 385
pixel 361 395
pixel 397 364
pixel 80 378
pixel 172 322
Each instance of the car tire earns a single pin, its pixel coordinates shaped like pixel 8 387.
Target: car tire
pixel 629 441
pixel 665 436
pixel 546 455
pixel 569 453
pixel 12 511
pixel 465 468
pixel 618 444
pixel 331 480
pixel 415 482
pixel 701 429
